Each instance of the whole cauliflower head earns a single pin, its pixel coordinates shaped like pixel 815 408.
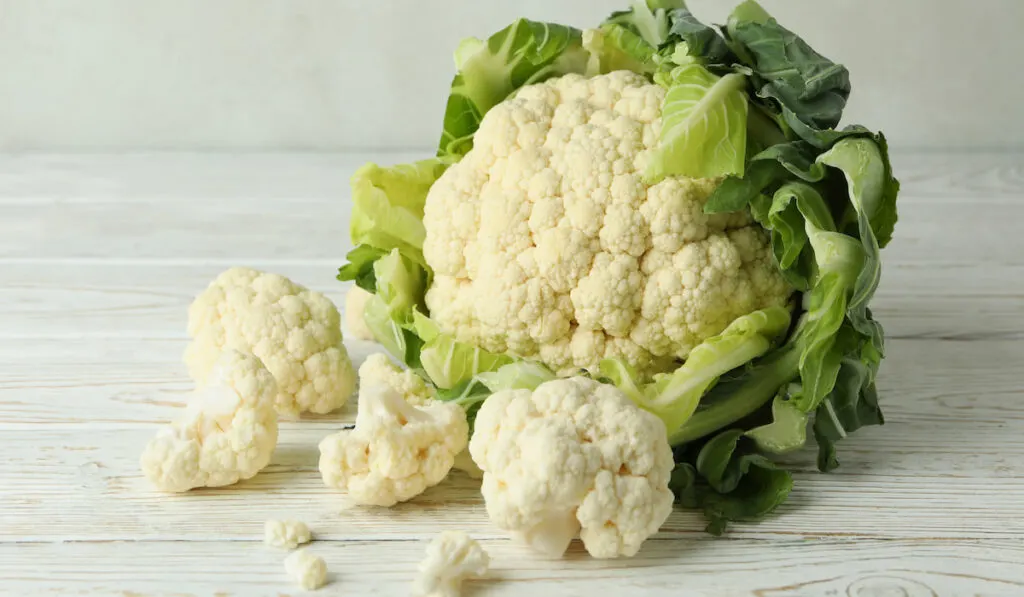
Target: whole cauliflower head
pixel 396 450
pixel 228 433
pixel 573 456
pixel 295 331
pixel 546 242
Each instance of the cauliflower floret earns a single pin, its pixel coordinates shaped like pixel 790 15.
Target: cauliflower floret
pixel 378 369
pixel 296 332
pixel 396 450
pixel 355 304
pixel 309 570
pixel 228 433
pixel 545 240
pixel 573 456
pixel 286 534
pixel 452 557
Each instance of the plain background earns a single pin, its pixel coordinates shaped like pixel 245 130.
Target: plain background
pixel 109 75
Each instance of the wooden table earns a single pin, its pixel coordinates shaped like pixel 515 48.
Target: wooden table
pixel 100 256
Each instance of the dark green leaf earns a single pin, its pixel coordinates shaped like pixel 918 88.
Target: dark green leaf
pixel 702 41
pixel 810 88
pixel 360 267
pixel 852 404
pixel 730 482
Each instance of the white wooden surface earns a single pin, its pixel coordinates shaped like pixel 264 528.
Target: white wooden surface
pixel 99 257
pixel 247 75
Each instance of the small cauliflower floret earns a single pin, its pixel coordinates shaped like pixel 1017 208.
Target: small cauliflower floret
pixel 295 331
pixel 396 450
pixel 286 534
pixel 378 369
pixel 355 304
pixel 573 456
pixel 228 434
pixel 308 570
pixel 546 241
pixel 452 557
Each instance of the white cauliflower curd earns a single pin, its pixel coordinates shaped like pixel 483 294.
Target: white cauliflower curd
pixel 355 305
pixel 452 557
pixel 228 433
pixel 295 331
pixel 573 456
pixel 546 242
pixel 396 450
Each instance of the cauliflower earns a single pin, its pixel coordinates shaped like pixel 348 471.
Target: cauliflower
pixel 573 456
pixel 228 434
pixel 378 369
pixel 309 570
pixel 546 242
pixel 396 450
pixel 452 557
pixel 355 303
pixel 287 534
pixel 296 332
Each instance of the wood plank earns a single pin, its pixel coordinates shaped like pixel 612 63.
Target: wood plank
pixel 122 383
pixel 302 229
pixel 188 177
pixel 694 566
pixel 946 464
pixel 915 300
pixel 182 177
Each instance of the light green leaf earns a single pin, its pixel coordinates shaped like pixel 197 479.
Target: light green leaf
pixel 674 396
pixel 387 205
pixel 449 362
pixel 401 285
pixel 786 432
pixel 521 375
pixel 489 71
pixel 704 125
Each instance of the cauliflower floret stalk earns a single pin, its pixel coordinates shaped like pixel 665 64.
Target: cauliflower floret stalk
pixel 659 205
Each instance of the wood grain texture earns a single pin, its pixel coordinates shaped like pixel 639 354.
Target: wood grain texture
pixel 100 256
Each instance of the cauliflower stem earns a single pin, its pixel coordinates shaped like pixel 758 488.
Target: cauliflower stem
pixel 661 207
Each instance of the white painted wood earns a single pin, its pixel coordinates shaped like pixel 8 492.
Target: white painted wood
pixel 330 74
pixel 99 257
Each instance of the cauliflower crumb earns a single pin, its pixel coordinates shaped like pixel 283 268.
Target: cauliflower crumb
pixel 295 331
pixel 546 241
pixel 308 570
pixel 452 557
pixel 287 534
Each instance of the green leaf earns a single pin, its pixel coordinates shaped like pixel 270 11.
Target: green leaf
pixel 525 52
pixel 675 396
pixel 400 343
pixel 449 363
pixel 387 206
pixel 788 429
pixel 519 375
pixel 729 481
pixel 401 285
pixel 613 47
pixel 699 40
pixel 811 89
pixel 648 20
pixel 704 120
pixel 852 404
pixel 360 267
